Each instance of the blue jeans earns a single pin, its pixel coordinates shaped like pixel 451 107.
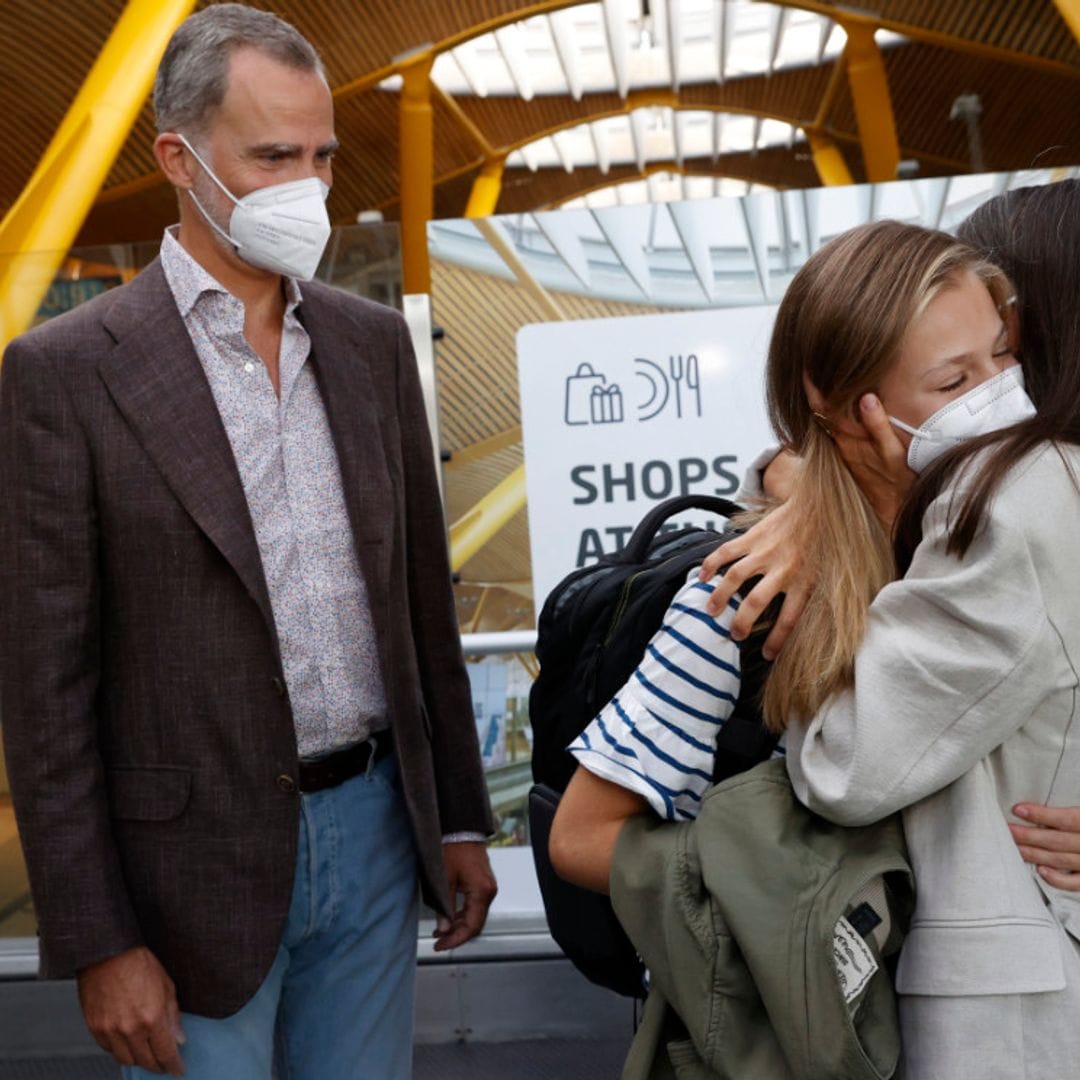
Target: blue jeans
pixel 340 992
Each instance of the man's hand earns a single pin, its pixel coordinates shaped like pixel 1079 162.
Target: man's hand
pixel 1051 842
pixel 129 1004
pixel 773 549
pixel 468 873
pixel 877 459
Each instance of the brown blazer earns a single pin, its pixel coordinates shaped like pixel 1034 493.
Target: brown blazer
pixel 148 731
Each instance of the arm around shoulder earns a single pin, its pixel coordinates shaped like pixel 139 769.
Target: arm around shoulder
pixel 956 657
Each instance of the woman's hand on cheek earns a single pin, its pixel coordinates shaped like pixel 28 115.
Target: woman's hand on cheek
pixel 877 459
pixel 1050 842
pixel 774 550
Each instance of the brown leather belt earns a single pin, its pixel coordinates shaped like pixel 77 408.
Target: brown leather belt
pixel 344 764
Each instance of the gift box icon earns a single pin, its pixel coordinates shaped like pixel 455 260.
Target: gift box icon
pixel 606 405
pixel 589 400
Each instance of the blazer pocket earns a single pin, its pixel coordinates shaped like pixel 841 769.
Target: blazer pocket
pixel 961 958
pixel 148 792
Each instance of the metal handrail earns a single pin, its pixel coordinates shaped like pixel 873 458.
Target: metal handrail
pixel 505 641
pixel 19 956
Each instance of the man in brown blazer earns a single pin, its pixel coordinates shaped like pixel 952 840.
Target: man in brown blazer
pixel 237 721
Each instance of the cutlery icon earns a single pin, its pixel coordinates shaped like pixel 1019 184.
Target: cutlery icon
pixel 675 365
pixel 684 373
pixel 693 380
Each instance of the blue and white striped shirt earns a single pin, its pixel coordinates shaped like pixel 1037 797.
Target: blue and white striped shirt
pixel 657 736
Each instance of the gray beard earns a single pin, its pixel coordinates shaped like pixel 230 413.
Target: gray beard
pixel 213 205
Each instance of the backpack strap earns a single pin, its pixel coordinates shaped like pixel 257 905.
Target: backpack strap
pixel 742 743
pixel 743 740
pixel 637 547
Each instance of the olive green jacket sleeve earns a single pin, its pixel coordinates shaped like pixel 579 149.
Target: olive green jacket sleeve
pixel 737 916
pixel 694 966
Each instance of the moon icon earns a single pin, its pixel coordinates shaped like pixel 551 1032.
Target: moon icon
pixel 658 388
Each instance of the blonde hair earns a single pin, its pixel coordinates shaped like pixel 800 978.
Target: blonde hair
pixel 840 326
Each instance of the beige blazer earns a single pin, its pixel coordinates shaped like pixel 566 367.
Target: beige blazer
pixel 964 701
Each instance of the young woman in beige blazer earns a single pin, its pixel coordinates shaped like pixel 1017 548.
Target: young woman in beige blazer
pixel 964 702
pixel 965 689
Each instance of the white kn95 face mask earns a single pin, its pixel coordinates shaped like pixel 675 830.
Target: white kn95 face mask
pixel 993 405
pixel 282 228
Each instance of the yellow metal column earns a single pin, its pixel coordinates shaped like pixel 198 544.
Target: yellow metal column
pixel 486 189
pixel 829 162
pixel 38 230
pixel 1070 12
pixel 472 531
pixel 417 156
pixel 873 105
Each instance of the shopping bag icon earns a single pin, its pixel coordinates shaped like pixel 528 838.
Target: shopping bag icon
pixel 579 388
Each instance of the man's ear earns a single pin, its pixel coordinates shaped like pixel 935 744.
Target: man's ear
pixel 174 160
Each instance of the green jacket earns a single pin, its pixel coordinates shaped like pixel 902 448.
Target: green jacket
pixel 766 931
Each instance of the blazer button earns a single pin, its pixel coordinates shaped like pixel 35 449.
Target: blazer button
pixel 286 783
pixel 278 685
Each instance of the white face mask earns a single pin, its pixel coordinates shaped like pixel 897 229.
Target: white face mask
pixel 993 405
pixel 282 228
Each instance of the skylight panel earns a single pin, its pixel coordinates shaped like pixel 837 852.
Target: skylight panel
pixel 612 46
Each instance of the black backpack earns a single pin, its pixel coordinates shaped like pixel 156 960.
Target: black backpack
pixel 592 633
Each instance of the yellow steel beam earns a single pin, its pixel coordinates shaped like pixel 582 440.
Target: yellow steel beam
pixel 474 529
pixel 464 120
pixel 417 183
pixel 1070 12
pixel 117 192
pixel 529 662
pixel 477 451
pixel 641 99
pixel 946 164
pixel 478 611
pixel 829 162
pixel 520 271
pixel 42 224
pixel 831 89
pixel 486 189
pixel 873 105
pixel 650 97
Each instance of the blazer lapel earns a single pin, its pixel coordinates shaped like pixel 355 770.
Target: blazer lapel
pixel 344 378
pixel 157 382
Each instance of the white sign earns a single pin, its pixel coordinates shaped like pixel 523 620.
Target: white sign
pixel 620 414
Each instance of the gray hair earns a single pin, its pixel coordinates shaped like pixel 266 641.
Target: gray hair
pixel 193 74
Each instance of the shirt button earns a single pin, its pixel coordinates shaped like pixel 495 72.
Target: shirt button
pixel 249 367
pixel 286 783
pixel 278 685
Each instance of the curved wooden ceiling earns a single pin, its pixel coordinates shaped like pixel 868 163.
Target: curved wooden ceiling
pixel 1018 55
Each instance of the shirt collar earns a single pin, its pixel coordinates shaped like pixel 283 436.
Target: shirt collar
pixel 189 280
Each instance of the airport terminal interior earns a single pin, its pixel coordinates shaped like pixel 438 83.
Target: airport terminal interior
pixel 558 196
